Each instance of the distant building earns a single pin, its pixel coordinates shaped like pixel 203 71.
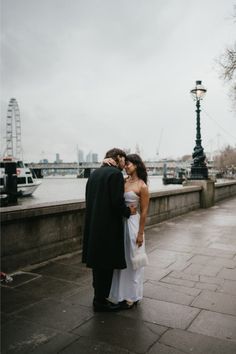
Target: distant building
pixel 89 157
pixel 58 160
pixel 80 155
pixel 94 157
pixel 43 161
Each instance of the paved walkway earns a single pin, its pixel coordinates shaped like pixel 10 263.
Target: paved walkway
pixel 189 303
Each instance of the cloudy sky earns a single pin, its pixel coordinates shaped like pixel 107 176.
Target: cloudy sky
pixel 103 73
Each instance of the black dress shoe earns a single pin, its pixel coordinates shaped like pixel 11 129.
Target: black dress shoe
pixel 105 307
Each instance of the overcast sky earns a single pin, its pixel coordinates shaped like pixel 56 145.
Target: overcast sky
pixel 106 73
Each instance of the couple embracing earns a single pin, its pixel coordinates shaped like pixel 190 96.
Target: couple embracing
pixel 114 245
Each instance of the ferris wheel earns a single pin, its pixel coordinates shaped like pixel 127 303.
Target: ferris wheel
pixel 13 132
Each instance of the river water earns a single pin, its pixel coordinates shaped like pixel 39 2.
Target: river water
pixel 56 189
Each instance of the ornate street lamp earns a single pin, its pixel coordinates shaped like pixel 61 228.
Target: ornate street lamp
pixel 199 168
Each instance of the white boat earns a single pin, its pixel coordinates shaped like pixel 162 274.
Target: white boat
pixel 26 182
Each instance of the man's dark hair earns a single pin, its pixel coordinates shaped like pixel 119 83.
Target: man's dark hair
pixel 114 153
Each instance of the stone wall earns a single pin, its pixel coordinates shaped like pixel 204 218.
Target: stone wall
pixel 224 190
pixel 36 234
pixel 167 204
pixel 39 233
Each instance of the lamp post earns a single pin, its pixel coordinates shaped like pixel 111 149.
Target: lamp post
pixel 199 168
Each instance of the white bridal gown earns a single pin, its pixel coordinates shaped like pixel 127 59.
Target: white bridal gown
pixel 127 284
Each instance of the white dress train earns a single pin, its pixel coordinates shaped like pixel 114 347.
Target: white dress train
pixel 127 284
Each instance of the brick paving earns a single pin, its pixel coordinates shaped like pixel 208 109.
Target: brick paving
pixel 189 303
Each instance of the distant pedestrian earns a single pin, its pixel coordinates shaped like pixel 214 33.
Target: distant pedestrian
pixel 103 245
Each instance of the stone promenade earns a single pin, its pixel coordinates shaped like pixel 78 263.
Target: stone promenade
pixel 189 303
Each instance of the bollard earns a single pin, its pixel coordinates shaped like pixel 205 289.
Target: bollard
pixel 11 181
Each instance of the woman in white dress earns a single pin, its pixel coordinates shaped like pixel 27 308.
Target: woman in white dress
pixel 127 284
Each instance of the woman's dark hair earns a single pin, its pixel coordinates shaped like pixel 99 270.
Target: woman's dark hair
pixel 138 162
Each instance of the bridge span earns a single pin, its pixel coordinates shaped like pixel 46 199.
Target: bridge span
pixel 84 169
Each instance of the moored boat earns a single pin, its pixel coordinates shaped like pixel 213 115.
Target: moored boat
pixel 26 181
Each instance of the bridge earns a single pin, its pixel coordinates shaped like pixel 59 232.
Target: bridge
pixel 83 169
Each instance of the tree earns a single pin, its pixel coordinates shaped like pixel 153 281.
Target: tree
pixel 227 62
pixel 226 160
pixel 186 158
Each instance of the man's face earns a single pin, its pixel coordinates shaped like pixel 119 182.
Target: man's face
pixel 121 162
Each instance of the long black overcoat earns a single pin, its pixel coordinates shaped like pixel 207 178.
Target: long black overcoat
pixel 103 244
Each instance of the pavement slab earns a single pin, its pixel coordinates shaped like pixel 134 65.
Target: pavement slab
pixel 12 300
pixel 223 303
pixel 213 252
pixel 163 313
pixel 189 303
pixel 211 280
pixel 56 344
pixel 182 289
pixel 83 296
pixel 206 286
pixel 185 276
pixel 197 344
pixel 198 259
pixel 226 263
pixel 229 287
pixel 162 258
pixel 178 281
pixel 160 292
pixel 200 269
pixel 85 345
pixel 56 314
pixel 159 348
pixel 223 246
pixel 228 274
pixel 215 324
pixel 46 286
pixel 66 272
pixel 154 273
pixel 178 265
pixel 134 335
pixel 22 336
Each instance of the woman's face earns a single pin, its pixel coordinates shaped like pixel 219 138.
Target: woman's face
pixel 130 168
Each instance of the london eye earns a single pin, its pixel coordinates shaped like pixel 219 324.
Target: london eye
pixel 13 131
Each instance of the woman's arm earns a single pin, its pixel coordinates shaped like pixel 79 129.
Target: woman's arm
pixel 144 202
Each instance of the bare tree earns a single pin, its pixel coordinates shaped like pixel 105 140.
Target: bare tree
pixel 227 62
pixel 226 160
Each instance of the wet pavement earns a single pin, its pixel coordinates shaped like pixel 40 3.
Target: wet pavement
pixel 189 303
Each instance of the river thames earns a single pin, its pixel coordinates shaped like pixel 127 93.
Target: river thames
pixel 57 189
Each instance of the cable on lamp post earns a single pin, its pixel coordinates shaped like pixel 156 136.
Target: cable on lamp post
pixel 199 168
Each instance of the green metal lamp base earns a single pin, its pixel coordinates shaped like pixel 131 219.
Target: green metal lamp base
pixel 199 172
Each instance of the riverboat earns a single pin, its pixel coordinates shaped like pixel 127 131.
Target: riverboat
pixel 176 178
pixel 26 181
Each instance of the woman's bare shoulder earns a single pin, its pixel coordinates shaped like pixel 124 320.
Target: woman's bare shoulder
pixel 143 186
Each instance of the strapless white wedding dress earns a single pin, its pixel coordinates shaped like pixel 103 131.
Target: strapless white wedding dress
pixel 127 284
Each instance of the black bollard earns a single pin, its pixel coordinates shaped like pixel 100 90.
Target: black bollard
pixel 87 172
pixel 11 181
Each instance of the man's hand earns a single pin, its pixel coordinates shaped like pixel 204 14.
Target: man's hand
pixel 133 209
pixel 139 240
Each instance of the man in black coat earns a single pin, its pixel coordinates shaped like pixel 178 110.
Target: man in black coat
pixel 103 244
